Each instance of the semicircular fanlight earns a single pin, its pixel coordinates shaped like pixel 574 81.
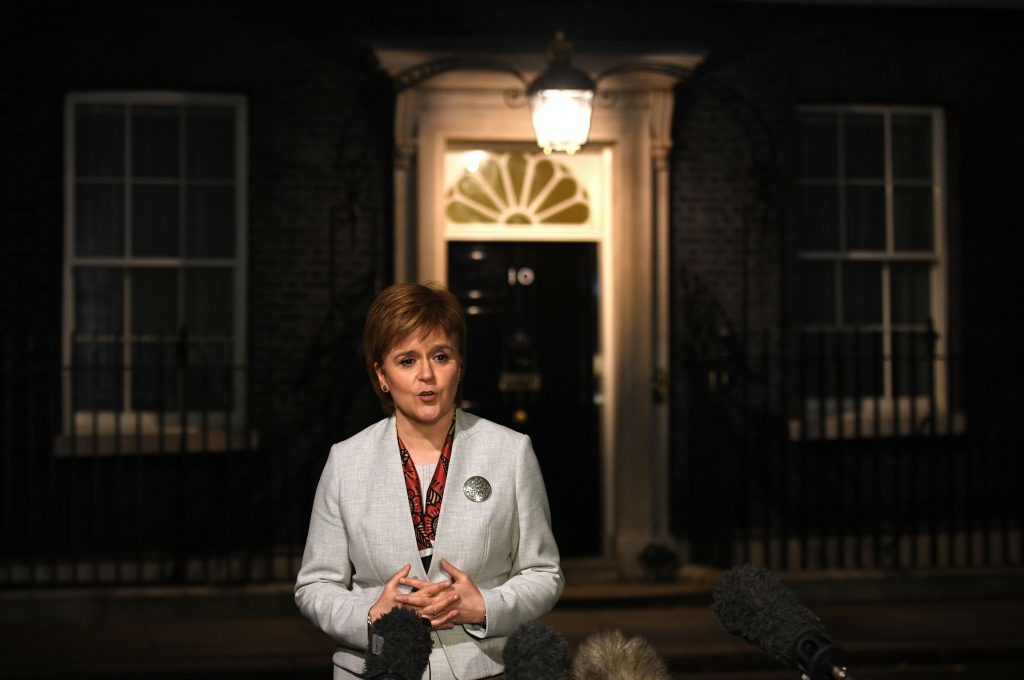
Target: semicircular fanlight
pixel 517 189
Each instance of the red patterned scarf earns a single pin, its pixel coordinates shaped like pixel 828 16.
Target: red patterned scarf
pixel 425 517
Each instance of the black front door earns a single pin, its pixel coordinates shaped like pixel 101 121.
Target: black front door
pixel 531 312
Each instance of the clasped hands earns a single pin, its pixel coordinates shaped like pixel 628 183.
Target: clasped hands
pixel 445 603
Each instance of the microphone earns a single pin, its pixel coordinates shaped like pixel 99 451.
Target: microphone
pixel 535 652
pixel 608 655
pixel 399 647
pixel 753 604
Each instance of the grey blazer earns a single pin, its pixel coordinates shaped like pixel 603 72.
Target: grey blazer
pixel 361 533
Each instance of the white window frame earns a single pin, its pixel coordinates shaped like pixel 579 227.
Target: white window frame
pixel 886 415
pixel 104 432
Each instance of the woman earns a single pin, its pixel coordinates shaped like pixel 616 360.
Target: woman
pixel 431 509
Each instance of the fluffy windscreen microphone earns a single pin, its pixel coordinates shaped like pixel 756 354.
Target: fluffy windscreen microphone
pixel 609 655
pixel 535 652
pixel 755 605
pixel 400 645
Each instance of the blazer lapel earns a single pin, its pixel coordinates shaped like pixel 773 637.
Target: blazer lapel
pixel 394 520
pixel 449 542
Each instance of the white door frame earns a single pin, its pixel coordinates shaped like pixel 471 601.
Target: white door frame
pixel 461 107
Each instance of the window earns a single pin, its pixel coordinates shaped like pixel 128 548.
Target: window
pixel 871 263
pixel 154 270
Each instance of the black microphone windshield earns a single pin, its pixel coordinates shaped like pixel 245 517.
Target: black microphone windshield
pixel 755 605
pixel 399 648
pixel 535 652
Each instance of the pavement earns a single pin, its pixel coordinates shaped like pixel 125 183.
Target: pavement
pixel 906 625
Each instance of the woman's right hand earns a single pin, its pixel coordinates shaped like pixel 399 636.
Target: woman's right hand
pixel 386 602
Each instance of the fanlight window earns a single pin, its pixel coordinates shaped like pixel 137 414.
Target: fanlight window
pixel 516 189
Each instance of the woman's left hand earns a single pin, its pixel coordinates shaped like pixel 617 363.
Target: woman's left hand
pixel 472 608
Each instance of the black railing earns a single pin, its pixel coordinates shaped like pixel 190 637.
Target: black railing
pixel 848 452
pixel 187 488
pixel 783 455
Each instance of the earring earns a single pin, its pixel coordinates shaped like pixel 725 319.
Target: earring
pixel 384 388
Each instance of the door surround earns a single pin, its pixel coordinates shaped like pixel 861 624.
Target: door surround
pixel 634 133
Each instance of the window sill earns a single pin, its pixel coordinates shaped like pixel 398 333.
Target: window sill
pixel 871 426
pixel 172 439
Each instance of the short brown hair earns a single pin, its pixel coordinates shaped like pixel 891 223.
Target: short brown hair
pixel 406 308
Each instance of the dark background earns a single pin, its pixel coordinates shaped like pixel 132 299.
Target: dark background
pixel 320 160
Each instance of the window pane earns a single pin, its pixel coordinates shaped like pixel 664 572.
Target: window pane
pixel 814 370
pixel 863 365
pixel 862 293
pixel 817 292
pixel 208 302
pixel 155 302
pixel 912 363
pixel 912 219
pixel 210 132
pixel 155 221
pixel 99 140
pixel 911 296
pixel 210 224
pixel 155 149
pixel 99 220
pixel 819 220
pixel 96 374
pixel 842 365
pixel 98 301
pixel 154 369
pixel 819 146
pixel 865 218
pixel 912 147
pixel 864 146
pixel 208 379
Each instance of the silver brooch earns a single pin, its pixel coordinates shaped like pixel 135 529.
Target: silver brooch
pixel 477 489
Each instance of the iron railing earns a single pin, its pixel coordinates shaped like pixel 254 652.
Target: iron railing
pixel 798 455
pixel 186 490
pixel 832 453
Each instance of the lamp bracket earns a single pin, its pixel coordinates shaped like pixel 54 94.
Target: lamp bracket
pixel 516 99
pixel 660 68
pixel 606 99
pixel 419 73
